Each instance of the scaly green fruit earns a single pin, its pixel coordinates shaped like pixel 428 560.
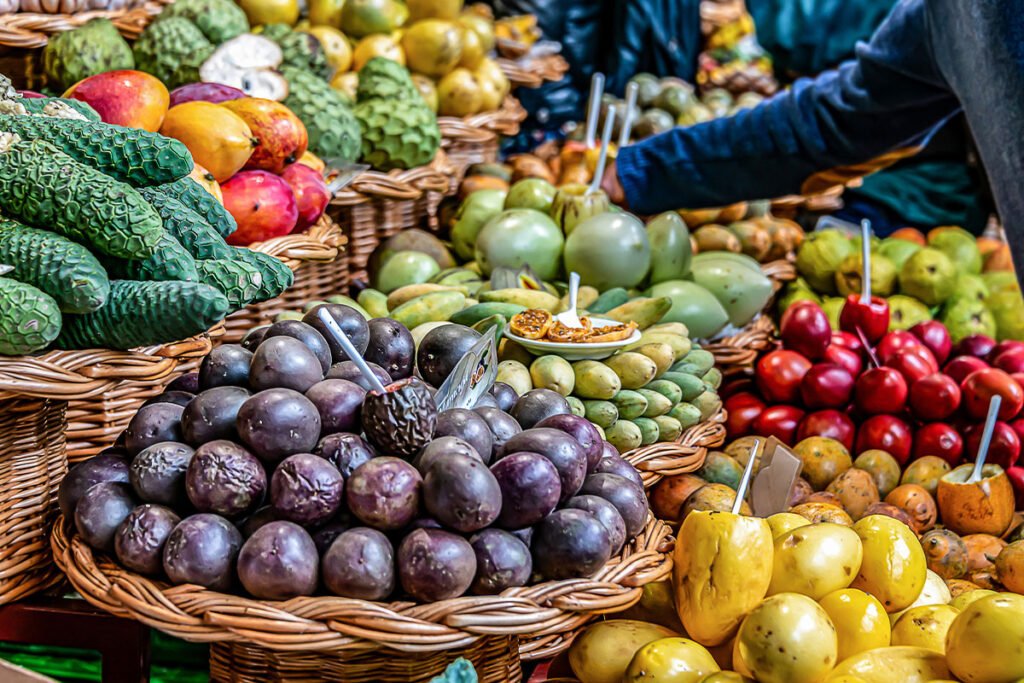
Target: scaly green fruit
pixel 383 78
pixel 397 134
pixel 299 49
pixel 172 49
pixel 219 20
pixel 90 49
pixel 29 319
pixel 333 130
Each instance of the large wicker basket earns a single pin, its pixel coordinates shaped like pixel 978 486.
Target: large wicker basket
pixel 475 139
pixel 95 420
pixel 378 205
pixel 685 454
pixel 321 269
pixel 330 638
pixel 28 30
pixel 532 72
pixel 34 396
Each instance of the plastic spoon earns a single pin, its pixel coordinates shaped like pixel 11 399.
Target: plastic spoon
pixel 339 335
pixel 986 438
pixel 748 472
pixel 606 138
pixel 865 250
pixel 569 317
pixel 627 123
pixel 594 108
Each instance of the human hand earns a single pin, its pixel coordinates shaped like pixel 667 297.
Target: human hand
pixel 612 187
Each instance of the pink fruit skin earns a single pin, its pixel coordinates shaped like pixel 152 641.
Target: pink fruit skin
pixel 974 345
pixel 205 92
pixel 934 397
pixel 826 385
pixel 935 336
pixel 31 94
pixel 311 193
pixel 1011 360
pixel 941 440
pixel 844 357
pixel 262 203
pixel 886 433
pixel 804 328
pixel 828 423
pixel 962 366
pixel 896 340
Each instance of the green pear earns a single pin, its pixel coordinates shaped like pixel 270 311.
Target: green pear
pixel 1006 307
pixel 960 246
pixel 798 290
pixel 850 276
pixel 898 251
pixel 833 306
pixel 969 286
pixel 929 275
pixel 905 312
pixel 999 280
pixel 820 256
pixel 966 317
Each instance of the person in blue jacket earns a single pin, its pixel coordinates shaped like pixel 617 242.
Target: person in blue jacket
pixel 929 60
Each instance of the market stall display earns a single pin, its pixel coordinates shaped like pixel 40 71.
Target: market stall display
pixel 350 469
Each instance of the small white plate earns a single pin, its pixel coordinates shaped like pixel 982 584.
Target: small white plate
pixel 582 351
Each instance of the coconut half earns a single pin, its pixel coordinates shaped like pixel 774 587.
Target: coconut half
pixel 248 63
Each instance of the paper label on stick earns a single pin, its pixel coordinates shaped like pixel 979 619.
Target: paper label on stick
pixel 472 377
pixel 769 492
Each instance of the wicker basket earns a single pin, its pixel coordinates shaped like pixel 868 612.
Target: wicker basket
pixel 331 638
pixel 27 30
pixel 94 421
pixel 685 454
pixel 378 205
pixel 474 139
pixel 321 270
pixel 531 72
pixel 34 396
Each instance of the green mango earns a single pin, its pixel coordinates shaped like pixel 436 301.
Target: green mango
pixel 708 404
pixel 729 256
pixel 630 404
pixel 692 305
pixel 691 386
pixel 576 406
pixel 624 435
pixel 671 251
pixel 602 413
pixel 649 431
pixel 669 428
pixel 687 414
pixel 742 292
pixel 657 404
pixel 668 389
pixel 704 360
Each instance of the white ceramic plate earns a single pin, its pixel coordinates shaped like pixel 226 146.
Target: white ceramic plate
pixel 570 351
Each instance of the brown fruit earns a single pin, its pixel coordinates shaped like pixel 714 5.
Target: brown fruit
pixel 826 497
pixel 754 239
pixel 917 503
pixel 786 237
pixel 982 550
pixel 801 491
pixel 987 579
pixel 670 493
pixel 985 507
pixel 716 238
pixel 824 459
pixel 530 166
pixel 481 182
pixel 856 490
pixel 890 510
pixel 712 497
pixel 926 472
pixel 946 553
pixel 1010 566
pixel 822 512
pixel 959 586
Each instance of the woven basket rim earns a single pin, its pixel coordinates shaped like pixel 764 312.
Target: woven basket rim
pixel 685 454
pixel 326 623
pixel 28 30
pixel 530 72
pixel 321 243
pixel 483 127
pixel 86 373
pixel 410 184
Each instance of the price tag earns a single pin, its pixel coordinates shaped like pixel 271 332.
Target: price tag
pixel 770 490
pixel 473 376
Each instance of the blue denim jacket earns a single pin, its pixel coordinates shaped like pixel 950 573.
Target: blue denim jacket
pixel 929 60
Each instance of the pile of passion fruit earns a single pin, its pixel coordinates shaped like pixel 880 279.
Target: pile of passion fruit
pixel 279 470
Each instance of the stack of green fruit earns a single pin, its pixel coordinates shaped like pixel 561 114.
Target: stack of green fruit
pixel 941 276
pixel 109 243
pixel 651 391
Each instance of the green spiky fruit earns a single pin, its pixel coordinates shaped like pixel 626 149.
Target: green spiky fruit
pixel 238 281
pixel 193 196
pixel 36 105
pixel 44 187
pixel 277 277
pixel 29 319
pixel 187 227
pixel 333 130
pixel 382 78
pixel 90 49
pixel 397 134
pixel 172 49
pixel 136 157
pixel 168 263
pixel 219 20
pixel 63 269
pixel 145 313
pixel 299 49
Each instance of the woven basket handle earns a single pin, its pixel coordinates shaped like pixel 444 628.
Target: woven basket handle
pixel 28 30
pixel 320 243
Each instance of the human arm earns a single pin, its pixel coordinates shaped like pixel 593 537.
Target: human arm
pixel 892 97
